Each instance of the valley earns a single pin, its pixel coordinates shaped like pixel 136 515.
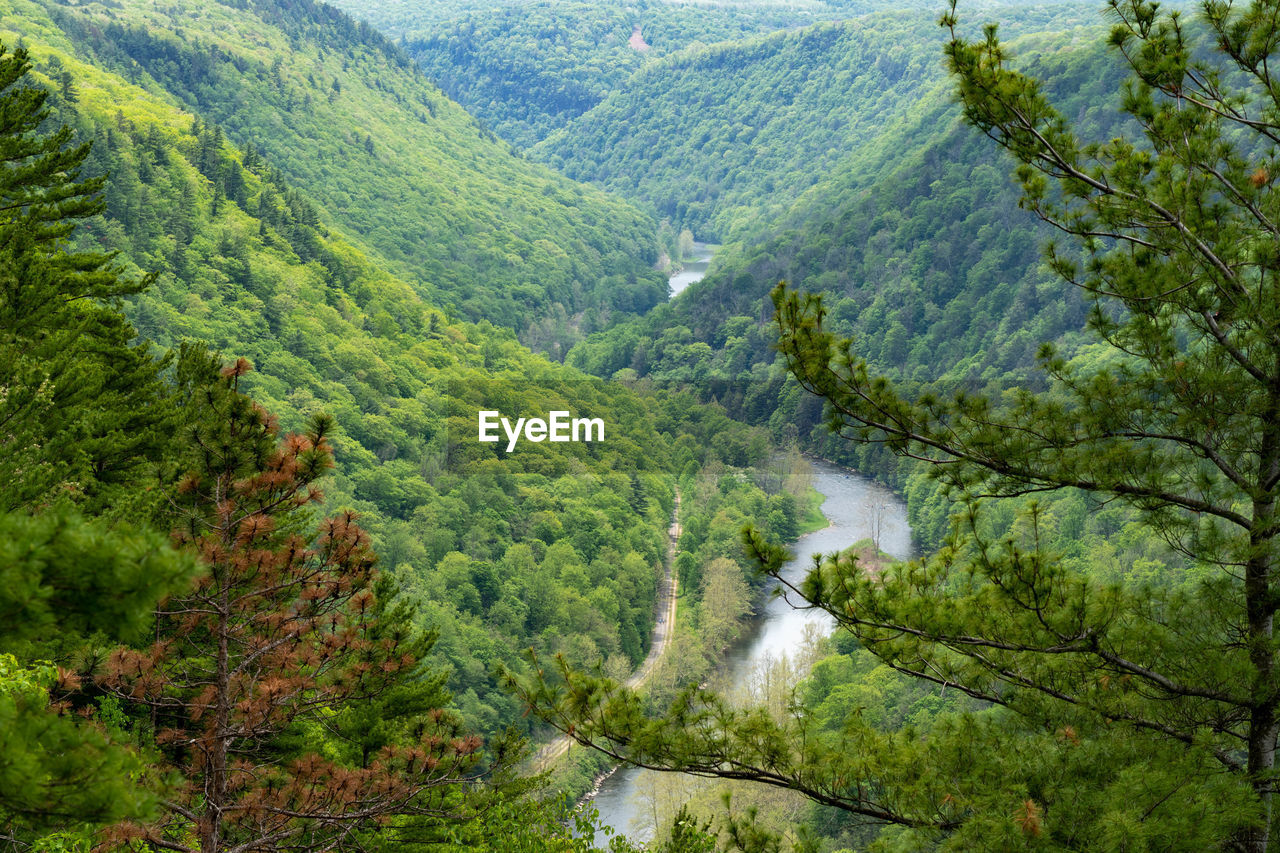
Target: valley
pixel 852 421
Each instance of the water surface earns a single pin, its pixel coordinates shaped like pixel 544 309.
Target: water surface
pixel 695 268
pixel 858 508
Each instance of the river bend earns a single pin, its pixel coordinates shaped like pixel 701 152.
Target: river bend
pixel 857 508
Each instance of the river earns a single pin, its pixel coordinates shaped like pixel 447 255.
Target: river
pixel 857 508
pixel 694 269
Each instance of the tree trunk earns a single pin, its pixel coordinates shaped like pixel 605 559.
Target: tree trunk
pixel 1260 606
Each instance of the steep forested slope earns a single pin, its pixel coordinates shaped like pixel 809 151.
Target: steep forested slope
pixel 923 257
pixel 919 223
pixel 401 18
pixel 348 120
pixel 554 546
pixel 718 136
pixel 526 67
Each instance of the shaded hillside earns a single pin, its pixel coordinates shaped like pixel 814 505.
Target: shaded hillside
pixel 921 253
pixel 918 242
pixel 720 138
pixel 717 137
pixel 528 69
pixel 410 18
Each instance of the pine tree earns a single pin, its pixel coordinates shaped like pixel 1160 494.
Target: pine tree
pixel 65 578
pixel 83 416
pixel 260 677
pixel 1124 718
pixel 81 404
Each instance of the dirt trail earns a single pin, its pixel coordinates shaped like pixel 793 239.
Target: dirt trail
pixel 663 630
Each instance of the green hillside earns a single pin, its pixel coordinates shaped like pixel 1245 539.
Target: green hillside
pixel 923 257
pixel 282 186
pixel 925 261
pixel 724 138
pixel 717 138
pixel 350 122
pixel 916 241
pixel 551 546
pixel 401 18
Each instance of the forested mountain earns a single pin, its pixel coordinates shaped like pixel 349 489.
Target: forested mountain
pixel 263 589
pixel 925 260
pixel 722 138
pixel 382 153
pixel 718 120
pixel 553 546
pixel 527 69
pixel 716 138
pixel 916 241
pixel 1100 412
pixel 399 18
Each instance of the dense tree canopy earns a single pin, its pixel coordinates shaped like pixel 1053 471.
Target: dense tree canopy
pixel 381 154
pixel 77 387
pixel 553 546
pixel 284 699
pixel 1083 665
pixel 528 69
pixel 253 669
pixel 1168 687
pixel 720 137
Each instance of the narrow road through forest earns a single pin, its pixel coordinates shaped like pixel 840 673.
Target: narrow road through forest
pixel 663 630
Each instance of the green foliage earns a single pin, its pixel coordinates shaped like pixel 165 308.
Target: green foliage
pixel 553 546
pixel 769 117
pixel 688 835
pixel 534 826
pixel 56 771
pixel 528 70
pixel 79 399
pixel 1135 709
pixel 64 577
pixel 346 119
pixel 83 417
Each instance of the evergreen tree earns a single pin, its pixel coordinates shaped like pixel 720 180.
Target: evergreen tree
pixel 82 418
pixel 1121 718
pixel 81 404
pixel 260 676
pixel 65 578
